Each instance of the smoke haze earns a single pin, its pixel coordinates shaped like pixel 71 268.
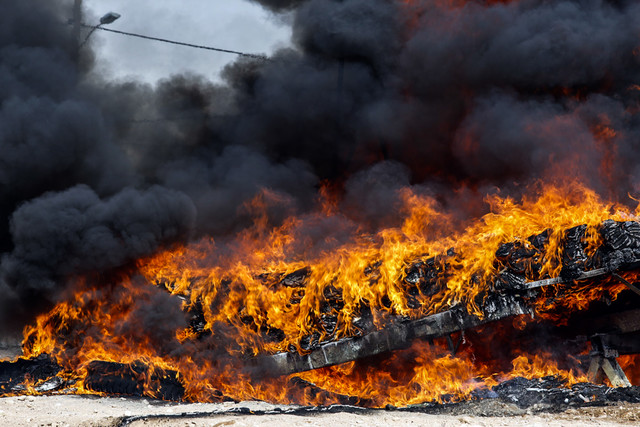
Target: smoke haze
pixel 455 100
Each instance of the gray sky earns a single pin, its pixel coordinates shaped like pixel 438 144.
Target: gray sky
pixel 229 24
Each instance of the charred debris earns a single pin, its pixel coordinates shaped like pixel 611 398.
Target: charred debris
pixel 611 328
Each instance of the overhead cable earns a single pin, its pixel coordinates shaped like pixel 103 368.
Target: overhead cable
pixel 235 52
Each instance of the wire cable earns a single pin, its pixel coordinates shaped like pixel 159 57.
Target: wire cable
pixel 86 39
pixel 235 52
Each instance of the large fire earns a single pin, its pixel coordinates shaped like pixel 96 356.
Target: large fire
pixel 212 309
pixel 247 309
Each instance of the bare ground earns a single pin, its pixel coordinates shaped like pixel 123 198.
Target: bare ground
pixel 91 411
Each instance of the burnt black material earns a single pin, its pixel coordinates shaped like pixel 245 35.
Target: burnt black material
pixel 322 396
pixel 129 379
pixel 550 393
pixel 574 259
pixel 197 320
pixel 521 261
pixel 523 256
pixel 272 334
pixel 427 276
pixel 622 243
pixel 13 374
pixel 628 343
pixel 310 342
pixel 297 278
pixel 620 235
pixel 508 280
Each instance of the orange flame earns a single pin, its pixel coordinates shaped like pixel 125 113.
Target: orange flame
pixel 270 289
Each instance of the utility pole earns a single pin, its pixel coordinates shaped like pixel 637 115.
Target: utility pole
pixel 77 22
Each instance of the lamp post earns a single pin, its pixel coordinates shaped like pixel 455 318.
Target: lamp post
pixel 77 21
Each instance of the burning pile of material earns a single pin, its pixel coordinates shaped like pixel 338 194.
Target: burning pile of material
pixel 448 180
pixel 256 326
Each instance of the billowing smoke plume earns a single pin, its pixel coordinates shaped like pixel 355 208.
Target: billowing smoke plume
pixel 279 5
pixel 375 95
pixel 59 235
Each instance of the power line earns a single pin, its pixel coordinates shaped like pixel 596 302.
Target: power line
pixel 86 39
pixel 235 52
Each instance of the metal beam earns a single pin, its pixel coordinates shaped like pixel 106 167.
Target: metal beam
pixel 400 335
pixel 591 274
pixel 394 337
pixel 626 283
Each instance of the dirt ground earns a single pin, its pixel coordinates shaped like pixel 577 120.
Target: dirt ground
pixel 89 411
pixel 93 411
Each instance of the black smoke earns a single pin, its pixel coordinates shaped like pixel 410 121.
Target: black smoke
pixel 279 5
pixel 62 235
pixel 373 96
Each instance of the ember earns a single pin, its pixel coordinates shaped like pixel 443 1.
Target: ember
pixel 425 202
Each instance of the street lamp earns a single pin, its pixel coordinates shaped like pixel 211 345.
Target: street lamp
pixel 109 18
pixel 105 20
